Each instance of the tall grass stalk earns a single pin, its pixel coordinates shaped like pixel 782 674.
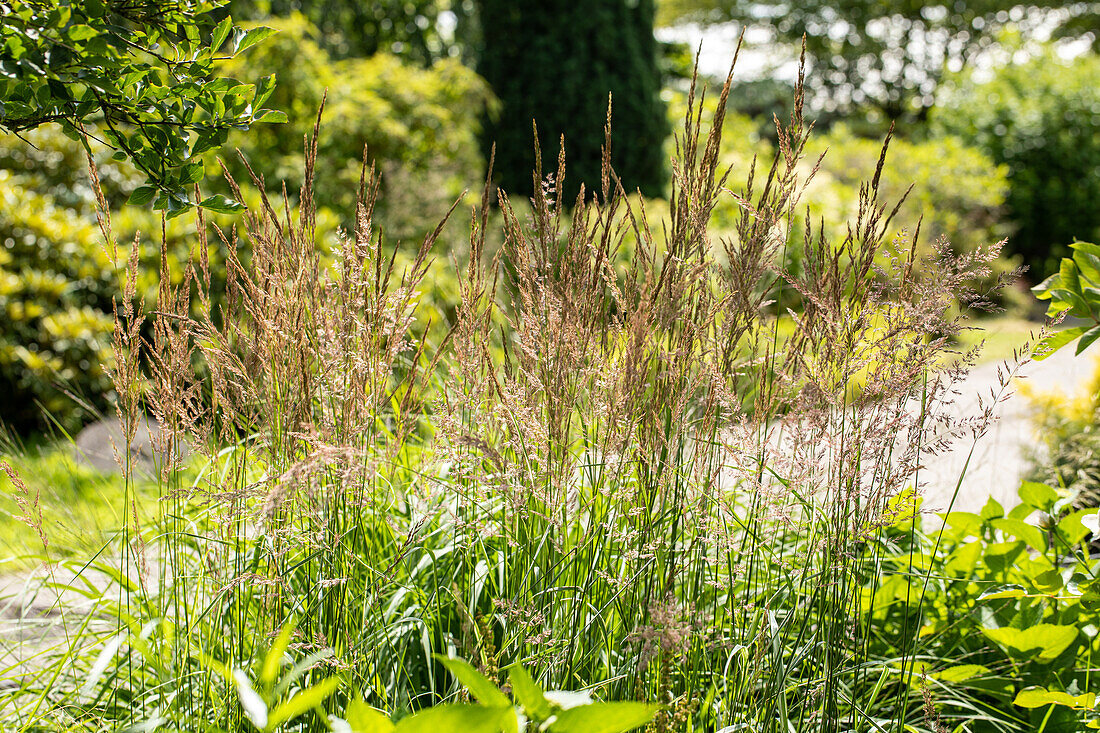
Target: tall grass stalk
pixel 613 468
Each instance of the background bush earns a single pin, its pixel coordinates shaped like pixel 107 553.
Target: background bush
pixel 1042 120
pixel 420 124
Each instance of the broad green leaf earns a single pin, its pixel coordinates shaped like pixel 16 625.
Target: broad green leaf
pixel 1042 290
pixel 1088 247
pixel 964 559
pixel 992 509
pixel 465 718
pixel 527 692
pixel 1003 592
pixel 221 32
pixel 253 36
pixel 192 173
pixel 1037 697
pixel 604 717
pixel 478 684
pixel 362 718
pixel 968 523
pixel 80 32
pixel 1032 535
pixel 1037 495
pixel 1049 581
pixel 303 702
pixel 271 115
pixel 1087 339
pixel 1071 527
pixel 220 204
pixel 142 195
pixel 960 673
pixel 1055 341
pixel 1042 642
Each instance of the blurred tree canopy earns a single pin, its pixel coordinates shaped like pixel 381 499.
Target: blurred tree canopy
pixel 421 31
pixel 890 55
pixel 555 62
pixel 144 68
pixel 419 124
pixel 1040 119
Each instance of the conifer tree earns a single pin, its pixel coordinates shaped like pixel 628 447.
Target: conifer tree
pixel 556 62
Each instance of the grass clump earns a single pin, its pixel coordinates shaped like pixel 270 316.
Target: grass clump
pixel 611 470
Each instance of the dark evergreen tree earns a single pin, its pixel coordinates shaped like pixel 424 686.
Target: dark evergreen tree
pixel 555 62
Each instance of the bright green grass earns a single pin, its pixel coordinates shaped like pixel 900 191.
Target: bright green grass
pixel 1003 336
pixel 82 508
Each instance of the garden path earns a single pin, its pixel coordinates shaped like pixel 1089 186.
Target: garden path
pixel 1000 457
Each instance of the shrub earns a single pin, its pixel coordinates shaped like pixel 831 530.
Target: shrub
pixel 556 63
pixel 55 296
pixel 420 125
pixel 1041 119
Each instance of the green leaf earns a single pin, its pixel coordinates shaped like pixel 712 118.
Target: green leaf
pixel 80 32
pixel 1042 642
pixel 478 685
pixel 992 509
pixel 264 88
pixel 1042 290
pixel 1003 592
pixel 1087 340
pixel 273 660
pixel 1033 536
pixel 192 173
pixel 142 195
pixel 960 673
pixel 1037 697
pixel 221 204
pixel 362 718
pixel 1071 527
pixel 1055 341
pixel 303 702
pixel 254 36
pixel 604 717
pixel 465 718
pixel 271 115
pixel 527 692
pixel 1037 495
pixel 221 32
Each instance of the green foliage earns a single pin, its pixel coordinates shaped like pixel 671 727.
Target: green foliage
pixel 404 28
pixel 1001 611
pixel 145 69
pixel 56 284
pixel 1041 120
pixel 556 63
pixel 419 125
pixel 1075 291
pixel 891 57
pixel 268 707
pixel 955 192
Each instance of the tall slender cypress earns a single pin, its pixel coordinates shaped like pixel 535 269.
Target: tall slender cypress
pixel 555 62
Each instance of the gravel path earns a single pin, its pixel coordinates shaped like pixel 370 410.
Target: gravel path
pixel 1000 457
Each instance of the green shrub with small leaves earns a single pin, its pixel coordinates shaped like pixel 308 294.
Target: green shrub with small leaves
pixel 141 69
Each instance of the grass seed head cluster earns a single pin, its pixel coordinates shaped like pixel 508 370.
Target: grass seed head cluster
pixel 616 467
